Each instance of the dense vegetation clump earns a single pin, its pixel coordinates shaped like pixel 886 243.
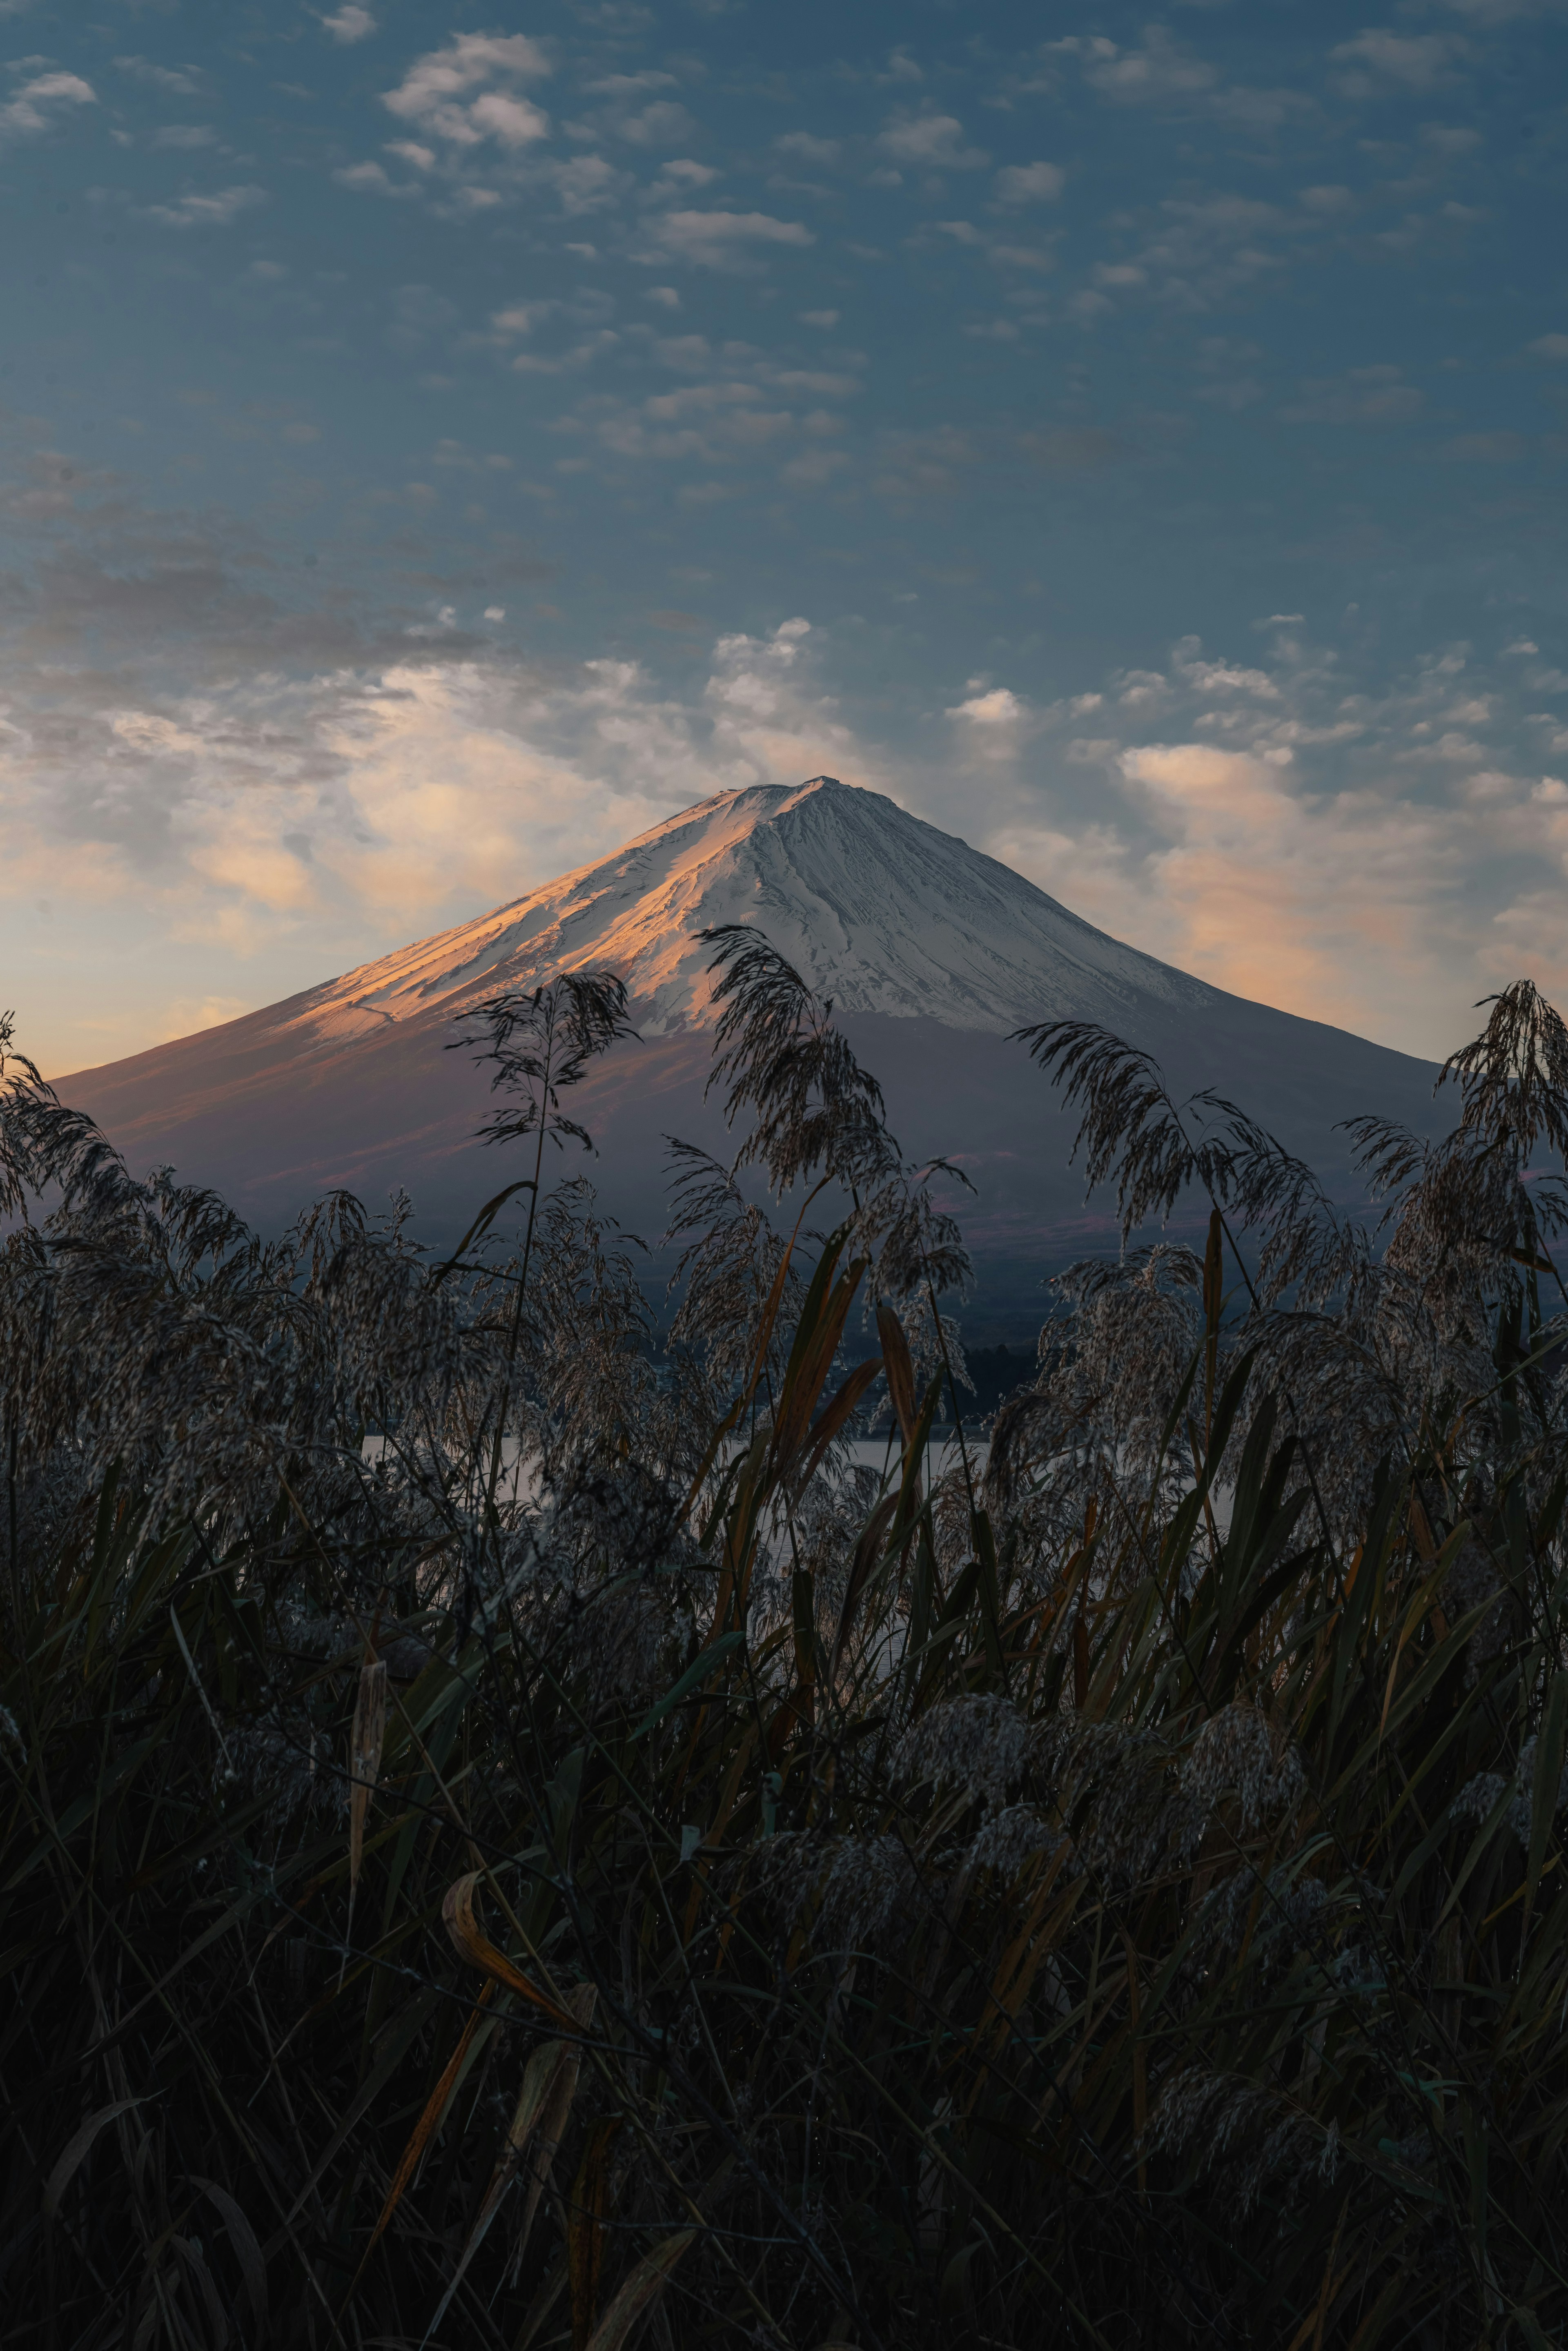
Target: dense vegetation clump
pixel 512 1833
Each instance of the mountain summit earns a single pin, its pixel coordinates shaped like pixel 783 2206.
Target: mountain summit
pixel 875 908
pixel 931 952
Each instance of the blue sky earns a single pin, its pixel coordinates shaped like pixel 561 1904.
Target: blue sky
pixel 435 445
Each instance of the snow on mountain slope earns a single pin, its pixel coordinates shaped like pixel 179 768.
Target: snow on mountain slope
pixel 875 908
pixel 931 952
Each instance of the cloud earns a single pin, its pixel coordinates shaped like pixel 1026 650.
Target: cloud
pixel 467 93
pixel 1364 856
pixel 738 405
pixel 918 465
pixel 520 318
pixel 662 124
pixel 36 106
pixel 1197 253
pixel 479 136
pixel 1550 347
pixel 1368 395
pixel 293 789
pixel 1164 75
pixel 1235 867
pixel 177 81
pixel 683 176
pixel 217 209
pixel 350 24
pixel 1503 448
pixel 805 147
pixel 991 706
pixel 718 240
pixel 713 422
pixel 933 142
pixel 1028 184
pixel 587 183
pixel 272 820
pixel 1380 61
pixel 374 180
pixel 1159 71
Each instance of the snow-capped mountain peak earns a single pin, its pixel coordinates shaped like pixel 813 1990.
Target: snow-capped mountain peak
pixel 931 952
pixel 876 908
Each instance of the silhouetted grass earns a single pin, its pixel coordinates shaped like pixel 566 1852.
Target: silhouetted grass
pixel 510 1841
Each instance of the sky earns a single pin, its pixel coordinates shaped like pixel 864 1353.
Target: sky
pixel 436 444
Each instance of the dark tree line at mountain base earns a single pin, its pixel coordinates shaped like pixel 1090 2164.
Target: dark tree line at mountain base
pixel 509 1841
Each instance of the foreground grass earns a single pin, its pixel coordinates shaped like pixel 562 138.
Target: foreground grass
pixel 734 1900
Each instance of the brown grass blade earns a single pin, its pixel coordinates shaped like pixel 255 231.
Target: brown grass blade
pixel 538 2081
pixel 585 2228
pixel 434 2106
pixel 639 2292
pixel 553 2120
pixel 471 1944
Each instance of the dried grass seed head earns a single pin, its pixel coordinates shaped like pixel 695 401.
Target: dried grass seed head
pixel 979 1743
pixel 1240 1752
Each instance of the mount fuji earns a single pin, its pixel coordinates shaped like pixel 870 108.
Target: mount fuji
pixel 931 952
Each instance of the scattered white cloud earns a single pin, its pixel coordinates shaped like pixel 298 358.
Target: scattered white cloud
pixel 805 147
pixel 374 180
pixel 1379 59
pixel 520 318
pixel 1367 395
pixel 587 183
pixel 663 123
pixel 1028 184
pixel 718 240
pixel 1296 841
pixel 472 122
pixel 443 92
pixel 993 705
pixel 36 104
pixel 217 208
pixel 175 81
pixel 1550 347
pixel 1194 254
pixel 932 142
pixel 350 24
pixel 1163 74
